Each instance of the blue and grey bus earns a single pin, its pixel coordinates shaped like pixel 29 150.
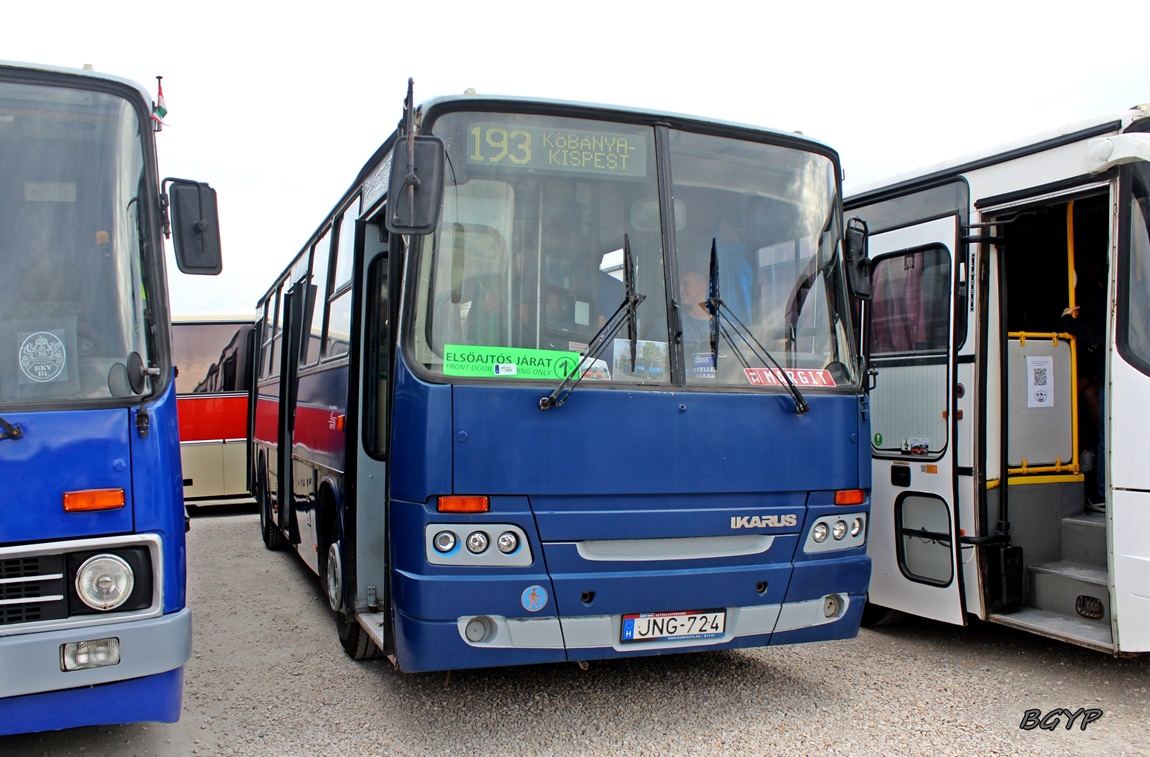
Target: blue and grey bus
pixel 561 382
pixel 94 628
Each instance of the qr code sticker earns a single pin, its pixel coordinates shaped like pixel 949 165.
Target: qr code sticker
pixel 1040 376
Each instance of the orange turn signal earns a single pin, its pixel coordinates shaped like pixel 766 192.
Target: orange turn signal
pixel 850 497
pixel 458 503
pixel 93 499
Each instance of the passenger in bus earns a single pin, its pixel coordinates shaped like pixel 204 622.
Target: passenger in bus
pixel 696 319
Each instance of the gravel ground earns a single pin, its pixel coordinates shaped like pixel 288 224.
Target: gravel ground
pixel 268 677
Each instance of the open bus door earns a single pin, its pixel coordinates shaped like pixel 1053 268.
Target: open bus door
pixel 1129 414
pixel 293 309
pixel 911 340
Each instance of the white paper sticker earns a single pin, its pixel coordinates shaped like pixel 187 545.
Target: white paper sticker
pixel 1040 381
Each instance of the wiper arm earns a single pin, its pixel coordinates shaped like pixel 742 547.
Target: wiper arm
pixel 724 322
pixel 10 431
pixel 624 314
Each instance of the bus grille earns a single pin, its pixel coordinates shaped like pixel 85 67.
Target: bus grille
pixel 32 589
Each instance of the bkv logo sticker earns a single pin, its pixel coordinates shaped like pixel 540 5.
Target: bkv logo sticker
pixel 42 357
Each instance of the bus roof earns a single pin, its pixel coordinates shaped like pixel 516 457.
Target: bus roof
pixel 528 104
pixel 15 66
pixel 1108 123
pixel 488 101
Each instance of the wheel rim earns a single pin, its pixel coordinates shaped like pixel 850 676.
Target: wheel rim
pixel 334 582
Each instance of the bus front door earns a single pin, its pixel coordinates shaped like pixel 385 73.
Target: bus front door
pixel 910 339
pixel 293 323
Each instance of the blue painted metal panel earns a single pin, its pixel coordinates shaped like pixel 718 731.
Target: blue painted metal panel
pixel 67 450
pixel 615 464
pixel 157 698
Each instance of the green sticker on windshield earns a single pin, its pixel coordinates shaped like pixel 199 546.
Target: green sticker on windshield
pixel 507 362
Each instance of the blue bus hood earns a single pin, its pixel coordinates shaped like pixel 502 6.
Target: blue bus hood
pixel 686 462
pixel 64 451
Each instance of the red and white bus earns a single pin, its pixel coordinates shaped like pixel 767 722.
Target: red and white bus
pixel 213 377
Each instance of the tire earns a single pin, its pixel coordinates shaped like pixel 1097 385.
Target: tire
pixel 356 642
pixel 876 616
pixel 273 538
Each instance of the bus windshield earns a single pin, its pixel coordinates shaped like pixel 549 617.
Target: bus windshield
pixel 526 265
pixel 72 213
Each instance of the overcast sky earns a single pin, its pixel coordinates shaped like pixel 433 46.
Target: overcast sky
pixel 279 105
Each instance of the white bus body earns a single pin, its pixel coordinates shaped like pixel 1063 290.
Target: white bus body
pixel 980 383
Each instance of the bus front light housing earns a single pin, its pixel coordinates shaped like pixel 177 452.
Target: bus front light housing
pixel 508 542
pixel 104 582
pixel 477 542
pixel 95 653
pixel 444 541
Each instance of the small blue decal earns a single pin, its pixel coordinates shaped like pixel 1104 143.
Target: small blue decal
pixel 534 598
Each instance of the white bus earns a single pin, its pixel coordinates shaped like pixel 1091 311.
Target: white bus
pixel 1009 344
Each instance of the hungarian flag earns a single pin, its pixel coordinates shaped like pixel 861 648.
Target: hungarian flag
pixel 159 110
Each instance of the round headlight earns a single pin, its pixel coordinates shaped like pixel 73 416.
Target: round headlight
pixel 104 582
pixel 508 542
pixel 840 529
pixel 819 532
pixel 477 542
pixel 444 541
pixel 856 526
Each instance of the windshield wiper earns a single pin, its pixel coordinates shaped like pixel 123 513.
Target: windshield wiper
pixel 724 321
pixel 10 431
pixel 624 314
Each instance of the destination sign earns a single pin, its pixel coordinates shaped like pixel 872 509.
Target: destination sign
pixel 556 149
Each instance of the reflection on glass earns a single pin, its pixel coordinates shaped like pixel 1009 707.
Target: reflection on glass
pixel 73 209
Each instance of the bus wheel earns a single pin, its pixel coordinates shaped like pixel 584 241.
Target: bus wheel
pixel 273 538
pixel 354 640
pixel 874 615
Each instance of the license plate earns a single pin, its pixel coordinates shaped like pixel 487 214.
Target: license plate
pixel 673 626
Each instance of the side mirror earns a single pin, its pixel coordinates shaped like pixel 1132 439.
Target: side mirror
pixel 858 264
pixel 193 226
pixel 415 188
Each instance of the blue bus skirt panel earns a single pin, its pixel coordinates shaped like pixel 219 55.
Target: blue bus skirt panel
pixel 35 695
pixel 156 698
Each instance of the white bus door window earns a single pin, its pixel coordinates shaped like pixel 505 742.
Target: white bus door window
pixel 909 338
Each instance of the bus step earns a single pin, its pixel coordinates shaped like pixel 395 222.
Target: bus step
pixel 1071 589
pixel 1084 539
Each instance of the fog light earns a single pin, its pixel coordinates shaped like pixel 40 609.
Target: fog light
pixel 508 542
pixel 477 630
pixel 856 526
pixel 831 605
pixel 96 653
pixel 444 541
pixel 104 582
pixel 840 530
pixel 477 542
pixel 819 533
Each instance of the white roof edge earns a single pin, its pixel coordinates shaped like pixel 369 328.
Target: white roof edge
pixel 1124 117
pixel 80 72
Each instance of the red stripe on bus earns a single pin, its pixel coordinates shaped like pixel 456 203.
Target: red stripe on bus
pixel 212 418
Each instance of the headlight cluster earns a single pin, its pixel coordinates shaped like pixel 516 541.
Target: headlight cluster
pixel 487 544
pixel 837 532
pixel 104 582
